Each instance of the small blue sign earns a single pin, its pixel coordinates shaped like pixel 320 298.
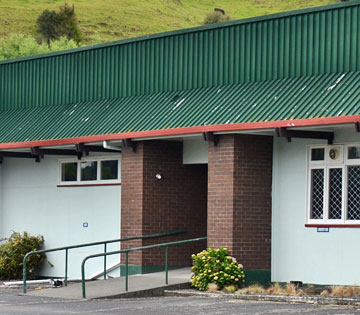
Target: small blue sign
pixel 323 229
pixel 85 224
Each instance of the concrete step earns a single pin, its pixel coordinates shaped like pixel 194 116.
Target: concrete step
pixel 152 284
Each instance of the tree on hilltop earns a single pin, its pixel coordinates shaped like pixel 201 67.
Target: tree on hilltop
pixel 53 25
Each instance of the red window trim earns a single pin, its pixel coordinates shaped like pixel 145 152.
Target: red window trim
pixel 333 225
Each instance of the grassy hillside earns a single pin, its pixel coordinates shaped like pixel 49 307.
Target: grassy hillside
pixel 108 20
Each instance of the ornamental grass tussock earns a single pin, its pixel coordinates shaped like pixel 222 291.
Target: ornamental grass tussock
pixel 289 289
pixel 324 293
pixel 215 266
pixel 212 287
pixel 230 288
pixel 338 291
pixel 352 291
pixel 252 289
pixel 341 291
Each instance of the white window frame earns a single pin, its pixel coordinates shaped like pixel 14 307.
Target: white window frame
pixel 98 181
pixel 327 164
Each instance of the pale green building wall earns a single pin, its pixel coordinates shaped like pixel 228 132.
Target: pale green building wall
pixel 300 253
pixel 1 198
pixel 31 201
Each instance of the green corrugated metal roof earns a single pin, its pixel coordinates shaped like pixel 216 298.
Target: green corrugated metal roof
pixel 329 95
pixel 300 43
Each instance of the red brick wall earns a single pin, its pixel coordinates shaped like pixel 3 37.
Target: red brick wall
pixel 221 193
pixel 176 202
pixel 239 198
pixel 131 199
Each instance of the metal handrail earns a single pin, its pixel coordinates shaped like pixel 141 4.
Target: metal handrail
pixel 66 248
pixel 126 251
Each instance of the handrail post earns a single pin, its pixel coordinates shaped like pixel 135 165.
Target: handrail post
pixel 83 279
pixel 166 265
pixel 24 273
pixel 127 271
pixel 127 251
pixel 67 248
pixel 66 266
pixel 105 261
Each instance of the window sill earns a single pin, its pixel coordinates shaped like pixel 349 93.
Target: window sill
pixel 86 185
pixel 334 225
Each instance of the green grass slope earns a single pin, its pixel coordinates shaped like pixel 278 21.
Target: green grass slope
pixel 109 20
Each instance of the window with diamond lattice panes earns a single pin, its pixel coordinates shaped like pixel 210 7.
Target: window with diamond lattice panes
pixel 353 195
pixel 335 193
pixel 334 184
pixel 317 193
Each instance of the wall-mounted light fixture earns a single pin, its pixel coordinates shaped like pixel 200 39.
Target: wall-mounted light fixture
pixel 158 176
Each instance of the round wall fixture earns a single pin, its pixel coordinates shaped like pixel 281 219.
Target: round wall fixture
pixel 334 154
pixel 158 176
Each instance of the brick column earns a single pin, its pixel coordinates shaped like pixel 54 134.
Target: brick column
pixel 176 202
pixel 132 199
pixel 239 198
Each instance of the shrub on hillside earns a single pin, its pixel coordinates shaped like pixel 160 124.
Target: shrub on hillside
pixel 53 25
pixel 21 46
pixel 216 17
pixel 216 266
pixel 12 254
pixel 62 43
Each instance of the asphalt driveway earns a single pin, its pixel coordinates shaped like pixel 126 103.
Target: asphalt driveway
pixel 11 303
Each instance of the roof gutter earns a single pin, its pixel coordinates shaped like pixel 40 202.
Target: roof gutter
pixel 107 146
pixel 188 130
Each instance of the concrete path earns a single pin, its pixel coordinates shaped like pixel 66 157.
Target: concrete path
pixel 139 285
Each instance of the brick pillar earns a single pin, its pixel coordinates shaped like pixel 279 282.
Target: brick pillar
pixel 239 198
pixel 176 202
pixel 132 199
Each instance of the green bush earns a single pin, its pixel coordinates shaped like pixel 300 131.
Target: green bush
pixel 216 17
pixel 53 25
pixel 20 46
pixel 12 254
pixel 216 266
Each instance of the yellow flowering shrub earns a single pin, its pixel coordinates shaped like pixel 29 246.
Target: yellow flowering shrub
pixel 216 266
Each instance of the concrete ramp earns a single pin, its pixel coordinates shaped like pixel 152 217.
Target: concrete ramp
pixel 152 284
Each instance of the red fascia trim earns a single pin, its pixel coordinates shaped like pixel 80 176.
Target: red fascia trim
pixel 333 225
pixel 188 130
pixel 86 185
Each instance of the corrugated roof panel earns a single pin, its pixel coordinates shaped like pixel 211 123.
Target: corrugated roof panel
pixel 298 43
pixel 328 95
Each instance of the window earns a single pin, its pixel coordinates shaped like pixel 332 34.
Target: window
pixel 334 184
pixel 89 171
pixel 109 170
pixel 68 172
